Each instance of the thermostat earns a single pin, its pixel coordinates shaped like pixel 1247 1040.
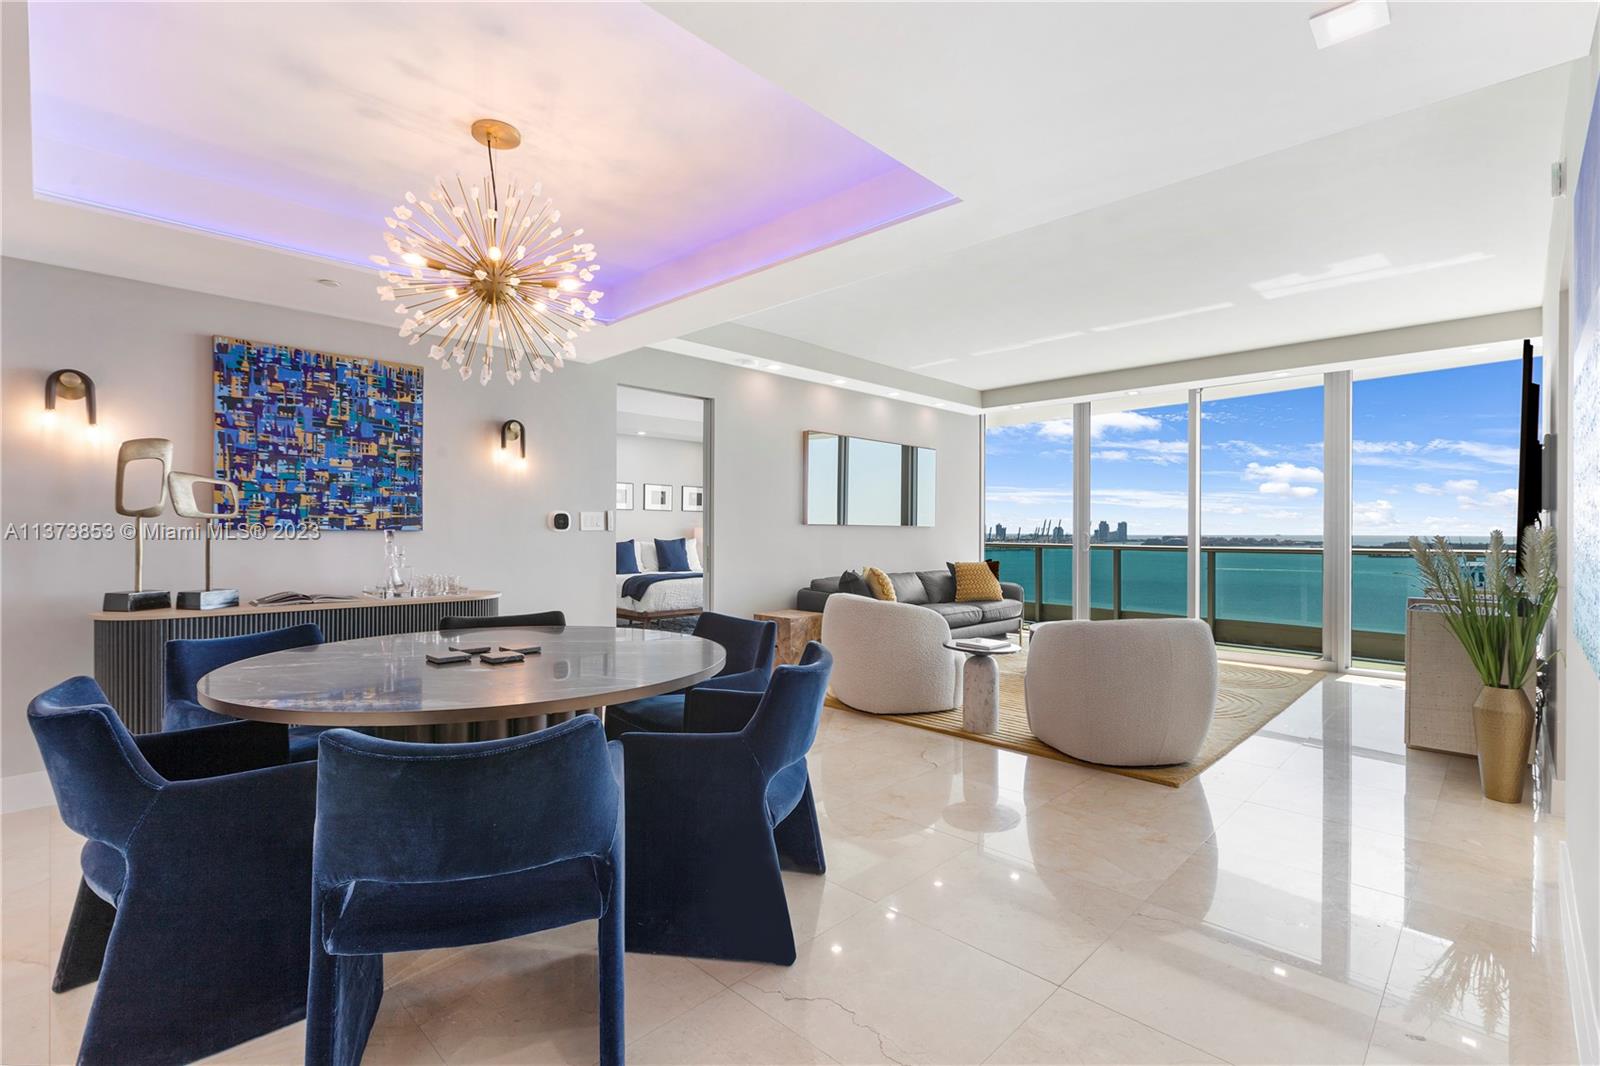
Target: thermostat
pixel 560 520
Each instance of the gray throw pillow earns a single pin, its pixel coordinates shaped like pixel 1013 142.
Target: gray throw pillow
pixel 853 584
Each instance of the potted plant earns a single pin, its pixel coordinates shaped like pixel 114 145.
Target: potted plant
pixel 1497 619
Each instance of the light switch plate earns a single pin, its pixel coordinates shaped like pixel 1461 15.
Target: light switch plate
pixel 592 521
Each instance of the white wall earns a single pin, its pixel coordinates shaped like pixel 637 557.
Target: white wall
pixel 148 349
pixel 1578 687
pixel 658 461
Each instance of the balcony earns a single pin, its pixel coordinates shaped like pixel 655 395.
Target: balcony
pixel 1259 598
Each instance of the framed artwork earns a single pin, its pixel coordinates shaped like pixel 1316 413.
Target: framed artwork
pixel 658 497
pixel 624 496
pixel 315 438
pixel 694 498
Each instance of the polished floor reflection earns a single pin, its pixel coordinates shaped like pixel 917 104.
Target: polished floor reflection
pixel 1319 895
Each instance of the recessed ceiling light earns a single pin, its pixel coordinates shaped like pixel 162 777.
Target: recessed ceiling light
pixel 1133 392
pixel 893 394
pixel 1016 407
pixel 838 381
pixel 641 433
pixel 329 282
pixel 1341 23
pixel 1281 374
pixel 774 366
pixel 939 404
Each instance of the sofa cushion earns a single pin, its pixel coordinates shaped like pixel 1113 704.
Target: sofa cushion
pixel 958 614
pixel 825 584
pixel 939 584
pixel 878 581
pixel 851 583
pixel 997 610
pixel 908 587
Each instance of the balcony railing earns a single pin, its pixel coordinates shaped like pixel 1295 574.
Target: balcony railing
pixel 1267 598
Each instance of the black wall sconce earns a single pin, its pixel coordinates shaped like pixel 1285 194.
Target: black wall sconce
pixel 70 385
pixel 513 432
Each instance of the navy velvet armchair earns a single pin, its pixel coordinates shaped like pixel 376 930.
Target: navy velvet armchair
pixel 715 811
pixel 750 647
pixel 434 845
pixel 194 900
pixel 190 660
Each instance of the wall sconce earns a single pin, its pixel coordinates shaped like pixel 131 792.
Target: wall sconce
pixel 513 432
pixel 70 385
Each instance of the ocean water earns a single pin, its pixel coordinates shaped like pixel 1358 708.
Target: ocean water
pixel 1251 586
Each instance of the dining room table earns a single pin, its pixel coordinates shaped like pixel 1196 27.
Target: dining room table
pixel 385 685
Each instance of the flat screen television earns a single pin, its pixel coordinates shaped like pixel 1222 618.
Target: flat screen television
pixel 1530 459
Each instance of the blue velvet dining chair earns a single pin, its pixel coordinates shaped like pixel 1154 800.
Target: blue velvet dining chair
pixel 190 660
pixel 715 812
pixel 451 623
pixel 195 895
pixel 750 647
pixel 439 845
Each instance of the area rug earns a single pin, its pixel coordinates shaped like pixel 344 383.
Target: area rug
pixel 1248 697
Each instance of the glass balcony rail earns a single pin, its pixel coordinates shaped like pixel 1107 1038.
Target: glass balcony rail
pixel 1253 597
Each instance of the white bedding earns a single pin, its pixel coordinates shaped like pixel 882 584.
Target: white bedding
pixel 687 594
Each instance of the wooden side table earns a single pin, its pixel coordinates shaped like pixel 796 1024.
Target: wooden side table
pixel 795 630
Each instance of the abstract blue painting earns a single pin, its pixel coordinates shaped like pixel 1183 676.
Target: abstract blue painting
pixel 313 439
pixel 1586 395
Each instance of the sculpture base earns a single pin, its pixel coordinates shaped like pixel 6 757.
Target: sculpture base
pixel 136 601
pixel 208 599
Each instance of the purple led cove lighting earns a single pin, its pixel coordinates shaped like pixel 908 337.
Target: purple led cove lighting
pixel 696 172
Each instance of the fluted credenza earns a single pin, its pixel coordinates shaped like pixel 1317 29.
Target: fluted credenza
pixel 129 647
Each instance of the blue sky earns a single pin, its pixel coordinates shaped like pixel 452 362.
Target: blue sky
pixel 1435 452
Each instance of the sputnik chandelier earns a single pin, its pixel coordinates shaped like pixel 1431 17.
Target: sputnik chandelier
pixel 480 272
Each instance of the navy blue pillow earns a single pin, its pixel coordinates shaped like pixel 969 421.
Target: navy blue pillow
pixel 672 554
pixel 627 558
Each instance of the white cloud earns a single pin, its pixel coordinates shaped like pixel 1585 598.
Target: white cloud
pixel 1113 455
pixel 1464 485
pixel 1286 472
pixel 1503 501
pixel 1383 447
pixel 1498 454
pixel 1029 497
pixel 1283 488
pixel 1244 447
pixel 1422 488
pixel 1378 513
pixel 1122 422
pixel 1055 428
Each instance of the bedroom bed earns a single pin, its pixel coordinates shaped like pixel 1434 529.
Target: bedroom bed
pixel 648 597
pixel 672 595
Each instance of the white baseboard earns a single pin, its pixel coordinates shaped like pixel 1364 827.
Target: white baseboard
pixel 1584 1019
pixel 22 792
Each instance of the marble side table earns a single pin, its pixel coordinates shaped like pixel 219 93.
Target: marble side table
pixel 980 687
pixel 795 630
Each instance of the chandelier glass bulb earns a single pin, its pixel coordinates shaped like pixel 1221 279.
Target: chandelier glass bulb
pixel 480 274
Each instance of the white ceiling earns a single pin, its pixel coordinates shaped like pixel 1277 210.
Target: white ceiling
pixel 1114 163
pixel 646 412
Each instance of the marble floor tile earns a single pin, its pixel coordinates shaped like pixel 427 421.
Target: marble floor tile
pixel 1123 855
pixel 876 989
pixel 1226 995
pixel 726 1030
pixel 1069 1030
pixel 1038 918
pixel 871 853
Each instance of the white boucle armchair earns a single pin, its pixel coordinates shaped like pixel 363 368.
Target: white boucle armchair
pixel 1131 692
pixel 890 658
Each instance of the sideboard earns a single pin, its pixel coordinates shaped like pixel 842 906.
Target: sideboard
pixel 130 646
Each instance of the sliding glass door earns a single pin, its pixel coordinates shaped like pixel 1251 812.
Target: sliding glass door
pixel 1028 503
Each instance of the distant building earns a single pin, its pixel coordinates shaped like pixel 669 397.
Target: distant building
pixel 1122 532
pixel 999 531
pixel 1101 534
pixel 1058 534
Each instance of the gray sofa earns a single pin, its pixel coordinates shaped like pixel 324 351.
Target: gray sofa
pixel 936 590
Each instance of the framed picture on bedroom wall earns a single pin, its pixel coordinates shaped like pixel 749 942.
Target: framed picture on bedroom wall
pixel 694 498
pixel 658 497
pixel 624 496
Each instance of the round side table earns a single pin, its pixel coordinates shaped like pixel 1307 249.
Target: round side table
pixel 980 687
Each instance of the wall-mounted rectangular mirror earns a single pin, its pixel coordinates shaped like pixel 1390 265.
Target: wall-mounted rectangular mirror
pixel 822 459
pixel 857 481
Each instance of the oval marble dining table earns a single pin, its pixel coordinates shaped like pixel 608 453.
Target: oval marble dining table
pixel 388 682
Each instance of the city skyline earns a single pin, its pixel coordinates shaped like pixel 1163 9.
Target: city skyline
pixel 1433 453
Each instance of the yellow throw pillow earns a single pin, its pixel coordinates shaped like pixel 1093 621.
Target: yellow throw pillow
pixel 879 583
pixel 974 582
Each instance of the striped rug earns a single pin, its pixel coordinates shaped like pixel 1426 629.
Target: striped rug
pixel 1248 697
